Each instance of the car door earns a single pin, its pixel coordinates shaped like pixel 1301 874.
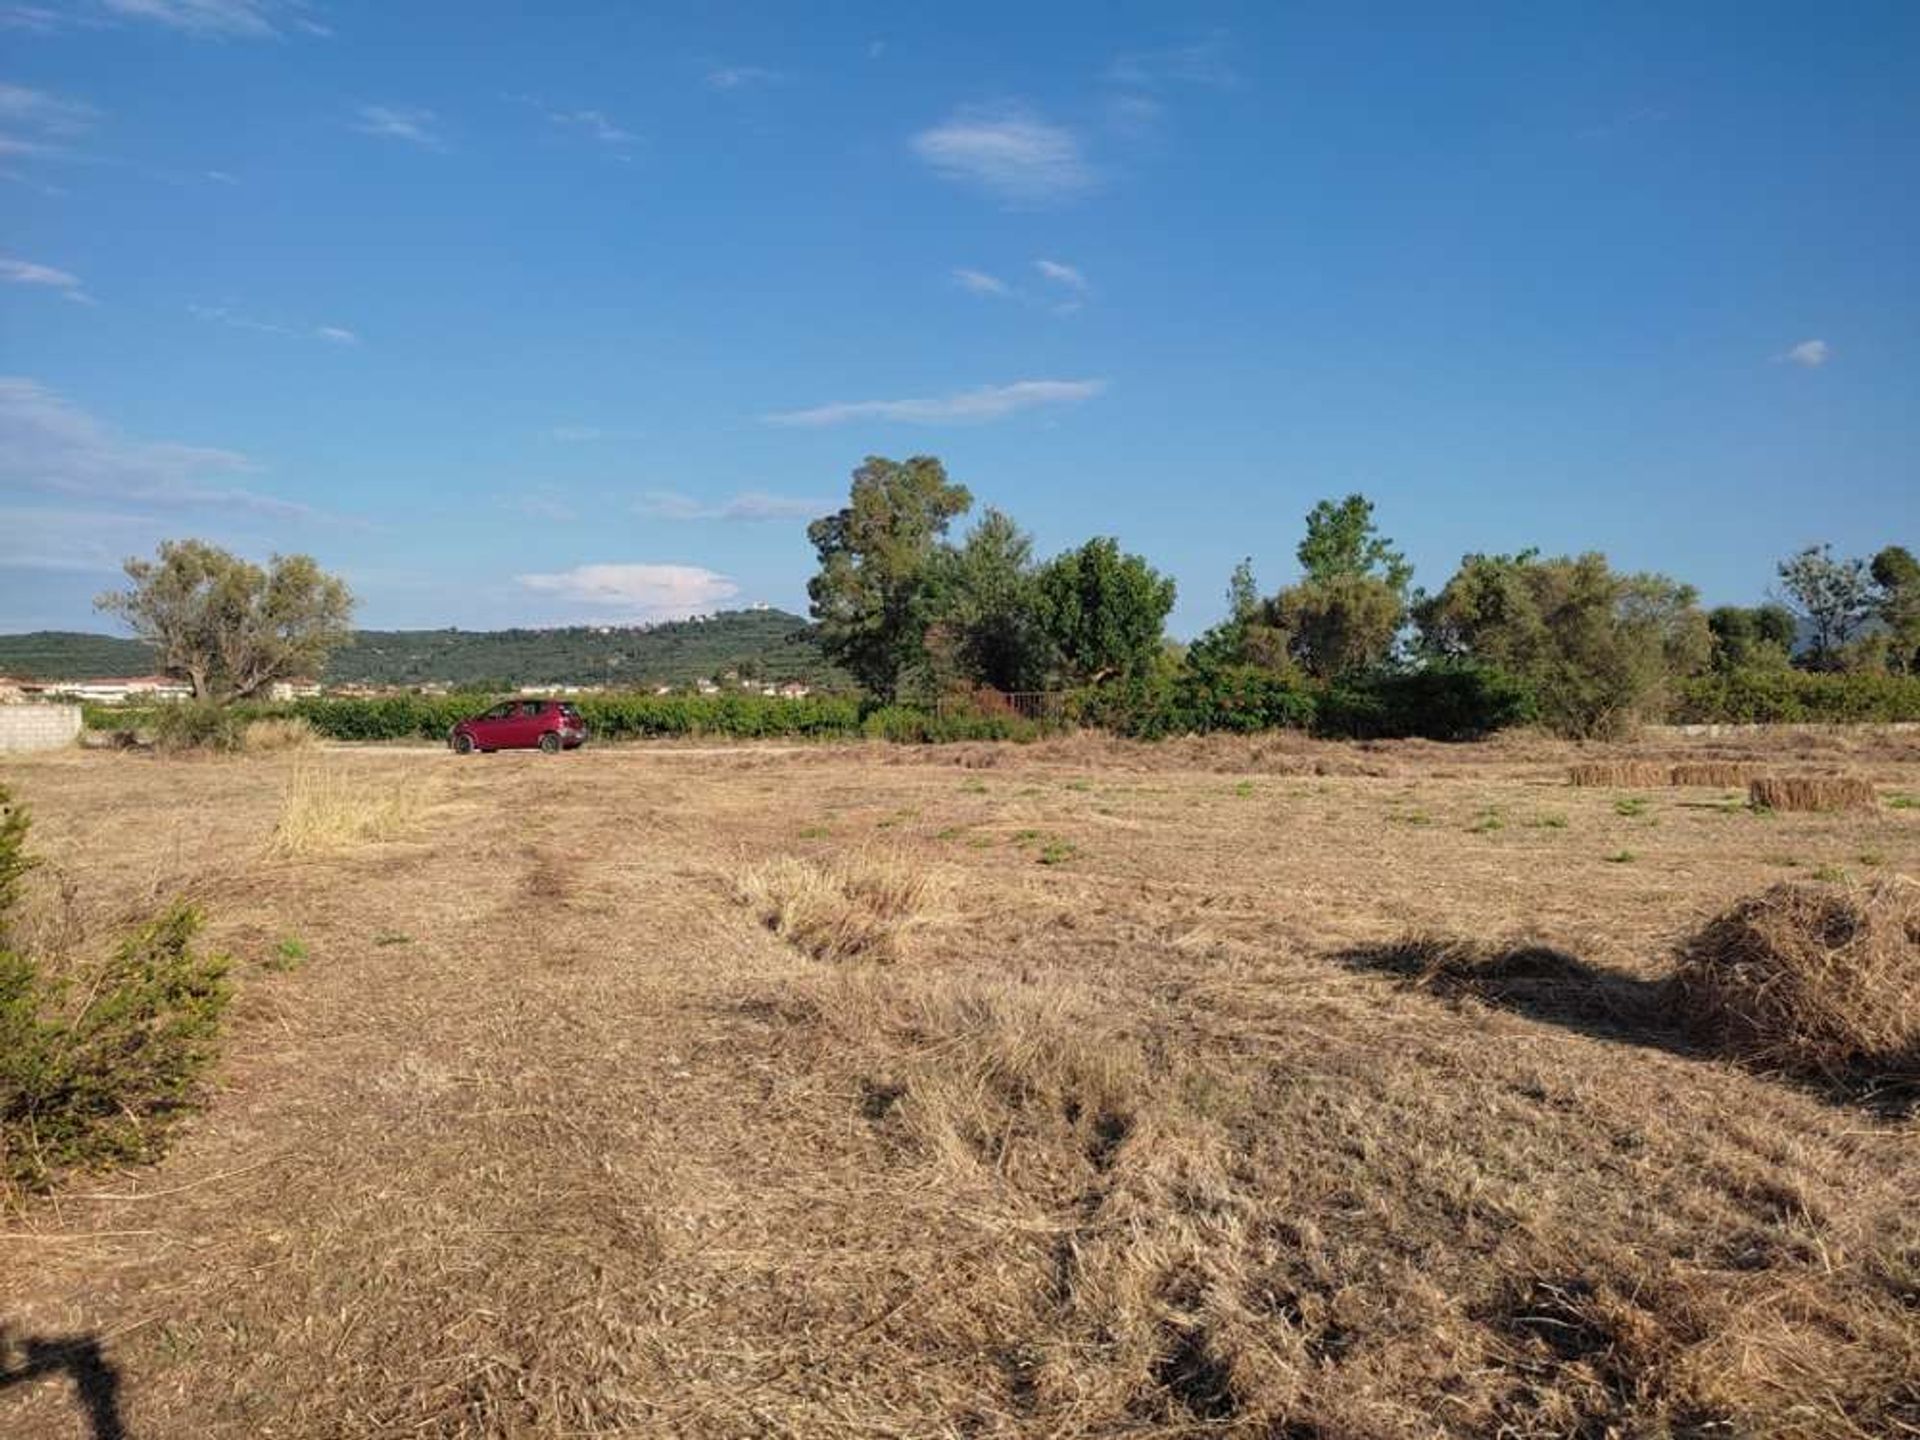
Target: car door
pixel 533 719
pixel 494 729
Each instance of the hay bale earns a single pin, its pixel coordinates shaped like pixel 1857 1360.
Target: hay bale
pixel 1815 980
pixel 1619 774
pixel 1811 792
pixel 1716 774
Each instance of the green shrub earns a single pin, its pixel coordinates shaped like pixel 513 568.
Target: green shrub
pixel 1439 702
pixel 198 725
pixel 1781 696
pixel 92 1074
pixel 905 725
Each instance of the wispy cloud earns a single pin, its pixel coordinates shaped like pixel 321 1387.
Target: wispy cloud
pixel 1810 353
pixel 978 282
pixel 543 502
pixel 1007 151
pixel 595 125
pixel 233 319
pixel 989 402
pixel 577 434
pixel 25 272
pixel 37 123
pixel 1062 274
pixel 412 123
pixel 739 77
pixel 222 19
pixel 51 445
pixel 638 591
pixel 1204 62
pixel 748 506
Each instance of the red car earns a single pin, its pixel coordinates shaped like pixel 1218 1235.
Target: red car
pixel 549 725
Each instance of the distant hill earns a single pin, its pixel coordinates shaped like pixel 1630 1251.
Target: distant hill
pixel 759 644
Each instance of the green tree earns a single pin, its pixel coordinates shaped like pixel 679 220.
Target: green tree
pixel 1758 637
pixel 985 596
pixel 870 592
pixel 1338 625
pixel 1599 649
pixel 1897 574
pixel 228 627
pixel 1833 597
pixel 1103 611
pixel 1342 540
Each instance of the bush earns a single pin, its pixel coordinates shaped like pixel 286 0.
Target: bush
pixel 1781 696
pixel 198 725
pixel 278 733
pixel 99 1080
pixel 1815 980
pixel 1441 702
pixel 905 725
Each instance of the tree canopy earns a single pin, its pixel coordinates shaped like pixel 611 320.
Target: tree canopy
pixel 869 593
pixel 230 628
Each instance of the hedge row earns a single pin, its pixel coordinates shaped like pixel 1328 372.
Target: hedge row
pixel 1441 703
pixel 1785 697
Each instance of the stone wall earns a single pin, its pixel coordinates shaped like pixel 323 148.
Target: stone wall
pixel 37 727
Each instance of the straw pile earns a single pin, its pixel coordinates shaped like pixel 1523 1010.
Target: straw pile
pixel 1717 774
pixel 1619 774
pixel 1811 792
pixel 1816 980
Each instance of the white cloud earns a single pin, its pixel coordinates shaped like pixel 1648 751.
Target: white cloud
pixel 749 505
pixel 37 123
pixel 1009 152
pixel 989 402
pixel 221 177
pixel 221 315
pixel 542 502
pixel 49 444
pixel 1062 275
pixel 594 124
pixel 639 591
pixel 220 19
pixel 25 272
pixel 412 123
pixel 576 434
pixel 1203 63
pixel 978 282
pixel 738 77
pixel 1810 353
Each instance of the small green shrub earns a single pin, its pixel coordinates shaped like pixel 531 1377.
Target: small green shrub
pixel 1781 696
pixel 1622 857
pixel 1057 852
pixel 289 954
pixel 1631 806
pixel 94 1073
pixel 1553 820
pixel 198 725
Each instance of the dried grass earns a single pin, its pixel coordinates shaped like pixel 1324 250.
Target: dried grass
pixel 279 735
pixel 1812 792
pixel 858 907
pixel 1818 980
pixel 327 809
pixel 1619 774
pixel 1716 774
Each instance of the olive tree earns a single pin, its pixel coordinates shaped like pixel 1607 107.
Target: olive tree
pixel 228 627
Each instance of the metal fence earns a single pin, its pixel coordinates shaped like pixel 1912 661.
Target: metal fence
pixel 1037 705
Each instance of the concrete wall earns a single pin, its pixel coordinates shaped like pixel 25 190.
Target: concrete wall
pixel 38 727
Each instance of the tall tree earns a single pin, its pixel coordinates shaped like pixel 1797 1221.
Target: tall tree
pixel 1103 610
pixel 1598 648
pixel 1833 598
pixel 1748 638
pixel 228 627
pixel 985 596
pixel 1342 540
pixel 869 594
pixel 1338 625
pixel 1897 574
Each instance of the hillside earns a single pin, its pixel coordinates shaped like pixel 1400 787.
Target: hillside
pixel 760 644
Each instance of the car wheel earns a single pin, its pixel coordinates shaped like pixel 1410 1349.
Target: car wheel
pixel 550 743
pixel 463 744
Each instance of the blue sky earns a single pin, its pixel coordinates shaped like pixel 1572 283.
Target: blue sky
pixel 530 314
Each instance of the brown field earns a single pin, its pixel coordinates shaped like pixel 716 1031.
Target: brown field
pixel 1240 1088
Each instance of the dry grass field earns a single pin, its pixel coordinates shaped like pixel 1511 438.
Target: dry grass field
pixel 1082 1089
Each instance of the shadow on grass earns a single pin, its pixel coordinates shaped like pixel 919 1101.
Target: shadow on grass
pixel 96 1383
pixel 1559 988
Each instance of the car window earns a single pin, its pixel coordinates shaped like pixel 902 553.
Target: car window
pixel 499 712
pixel 536 707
